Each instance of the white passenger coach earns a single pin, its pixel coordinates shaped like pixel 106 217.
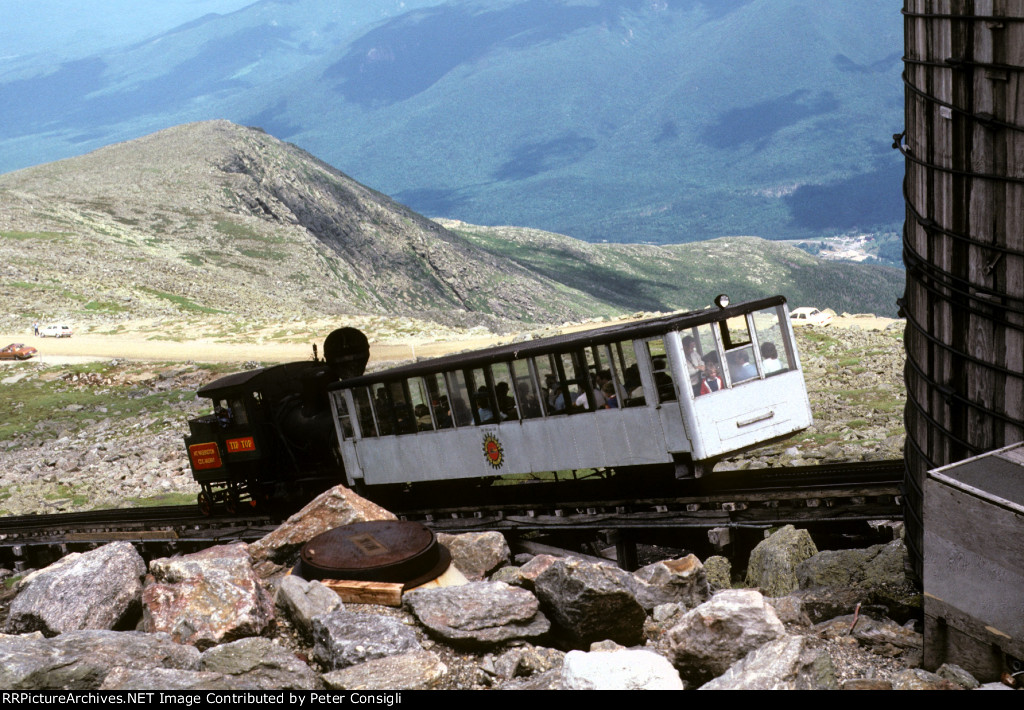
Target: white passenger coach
pixel 679 392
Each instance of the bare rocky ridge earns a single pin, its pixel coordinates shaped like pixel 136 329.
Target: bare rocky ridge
pixel 215 218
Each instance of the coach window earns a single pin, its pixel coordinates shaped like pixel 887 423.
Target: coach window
pixel 660 370
pixel 526 392
pixel 459 400
pixel 624 364
pixel 438 400
pixel 419 399
pixel 772 342
pixel 364 412
pixel 504 390
pixel 344 418
pixel 739 350
pixel 572 374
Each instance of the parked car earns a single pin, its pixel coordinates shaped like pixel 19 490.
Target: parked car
pixel 809 316
pixel 17 351
pixel 55 330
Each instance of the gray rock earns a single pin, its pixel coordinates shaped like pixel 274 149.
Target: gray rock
pixel 788 663
pixel 625 669
pixel 100 589
pixel 331 509
pixel 920 679
pixel 790 610
pixel 548 680
pixel 871 632
pixel 476 555
pixel 824 603
pixel 415 670
pixel 773 563
pixel 479 613
pixel 681 581
pixel 168 679
pixel 525 661
pixel 958 675
pixel 591 602
pixel 342 639
pixel 299 601
pixel 81 660
pixel 508 575
pixel 879 570
pixel 721 631
pixel 260 663
pixel 207 598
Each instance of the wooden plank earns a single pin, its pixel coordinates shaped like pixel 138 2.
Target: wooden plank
pixel 356 592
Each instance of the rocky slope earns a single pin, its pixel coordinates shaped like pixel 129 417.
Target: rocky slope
pixel 214 218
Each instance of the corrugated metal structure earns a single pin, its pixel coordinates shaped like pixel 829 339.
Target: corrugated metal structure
pixel 964 235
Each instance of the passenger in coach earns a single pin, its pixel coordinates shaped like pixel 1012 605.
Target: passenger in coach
pixel 694 365
pixel 770 358
pixel 712 382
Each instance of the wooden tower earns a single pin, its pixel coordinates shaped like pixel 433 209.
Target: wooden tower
pixel 963 241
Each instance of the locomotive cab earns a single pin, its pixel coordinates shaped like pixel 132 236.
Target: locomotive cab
pixel 268 436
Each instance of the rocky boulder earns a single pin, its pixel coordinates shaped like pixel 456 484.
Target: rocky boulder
pixel 476 555
pixel 721 631
pixel 82 660
pixel 787 663
pixel 879 570
pixel 99 589
pixel 342 639
pixel 206 598
pixel 415 670
pixel 773 562
pixel 331 509
pixel 591 602
pixel 680 581
pixel 620 669
pixel 300 601
pixel 479 613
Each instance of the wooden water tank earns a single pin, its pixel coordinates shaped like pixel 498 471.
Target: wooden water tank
pixel 964 235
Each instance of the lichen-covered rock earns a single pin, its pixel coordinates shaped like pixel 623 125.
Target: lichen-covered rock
pixel 99 589
pixel 623 669
pixel 787 663
pixel 591 602
pixel 773 562
pixel 680 581
pixel 342 639
pixel 879 570
pixel 479 613
pixel 331 509
pixel 415 670
pixel 718 571
pixel 206 598
pixel 477 554
pixel 81 660
pixel 721 631
pixel 299 601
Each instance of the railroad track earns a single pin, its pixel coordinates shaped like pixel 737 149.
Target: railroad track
pixel 804 496
pixel 807 495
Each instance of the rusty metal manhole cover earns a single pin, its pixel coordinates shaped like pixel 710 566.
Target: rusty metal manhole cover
pixel 377 551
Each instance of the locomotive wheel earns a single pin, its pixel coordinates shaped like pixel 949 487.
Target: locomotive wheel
pixel 205 504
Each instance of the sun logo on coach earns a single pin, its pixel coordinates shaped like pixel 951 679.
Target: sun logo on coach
pixel 493 451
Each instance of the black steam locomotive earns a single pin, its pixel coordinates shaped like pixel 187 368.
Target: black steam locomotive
pixel 265 440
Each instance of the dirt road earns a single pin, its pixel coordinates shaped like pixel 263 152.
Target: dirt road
pixel 136 346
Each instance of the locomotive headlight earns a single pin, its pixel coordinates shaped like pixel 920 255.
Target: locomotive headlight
pixel 722 300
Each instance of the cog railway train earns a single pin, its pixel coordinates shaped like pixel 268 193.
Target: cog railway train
pixel 664 397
